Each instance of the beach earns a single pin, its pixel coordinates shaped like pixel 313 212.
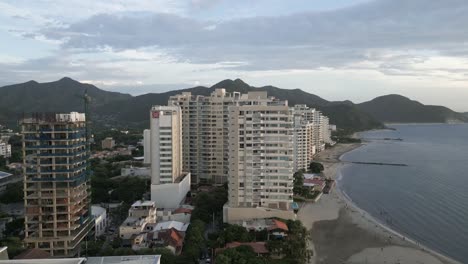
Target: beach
pixel 340 232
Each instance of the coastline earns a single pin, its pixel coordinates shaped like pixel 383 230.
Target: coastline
pixel 335 217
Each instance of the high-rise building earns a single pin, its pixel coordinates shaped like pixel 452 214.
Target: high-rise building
pixel 205 121
pixel 56 182
pixel 321 129
pixel 304 147
pixel 169 183
pixel 260 162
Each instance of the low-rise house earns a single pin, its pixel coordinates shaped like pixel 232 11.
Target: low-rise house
pixel 179 226
pixel 140 214
pixel 170 239
pixel 314 182
pixel 276 229
pixel 181 214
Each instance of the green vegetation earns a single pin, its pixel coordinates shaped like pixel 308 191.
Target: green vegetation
pixel 14 228
pixel 99 248
pixel 13 193
pixel 298 187
pixel 194 240
pixel 207 204
pixel 14 244
pixel 104 189
pixel 132 138
pixel 404 110
pixel 294 247
pixel 240 255
pixel 316 167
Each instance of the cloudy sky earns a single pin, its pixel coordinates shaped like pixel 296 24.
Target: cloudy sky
pixel 338 49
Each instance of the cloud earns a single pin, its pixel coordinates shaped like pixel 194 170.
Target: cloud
pixel 308 40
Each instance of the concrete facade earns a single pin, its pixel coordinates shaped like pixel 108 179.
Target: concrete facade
pixel 100 220
pixel 205 121
pixel 171 195
pixel 5 149
pixel 261 162
pixel 56 183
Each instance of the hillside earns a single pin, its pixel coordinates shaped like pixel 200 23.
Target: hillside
pixel 135 111
pixel 399 109
pixel 112 109
pixel 62 95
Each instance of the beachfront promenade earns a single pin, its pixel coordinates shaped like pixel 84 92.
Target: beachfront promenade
pixel 342 233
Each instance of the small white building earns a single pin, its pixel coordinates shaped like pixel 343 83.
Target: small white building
pixel 136 171
pixel 100 220
pixel 181 214
pixel 5 149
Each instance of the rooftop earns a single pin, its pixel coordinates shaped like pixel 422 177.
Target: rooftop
pixel 4 174
pixel 179 226
pixel 143 203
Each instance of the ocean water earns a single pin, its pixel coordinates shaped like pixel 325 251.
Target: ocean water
pixel 426 200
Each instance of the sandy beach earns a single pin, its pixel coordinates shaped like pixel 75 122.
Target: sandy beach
pixel 340 232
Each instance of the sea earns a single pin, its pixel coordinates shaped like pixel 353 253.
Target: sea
pixel 426 200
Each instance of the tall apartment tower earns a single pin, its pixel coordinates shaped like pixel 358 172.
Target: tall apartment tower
pixel 56 182
pixel 205 127
pixel 260 162
pixel 169 183
pixel 304 146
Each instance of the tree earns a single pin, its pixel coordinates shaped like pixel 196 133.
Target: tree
pixel 14 227
pixel 194 240
pixel 298 182
pixel 316 167
pixel 13 193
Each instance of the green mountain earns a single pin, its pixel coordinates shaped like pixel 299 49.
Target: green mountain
pixel 135 111
pixel 62 95
pixel 112 109
pixel 399 109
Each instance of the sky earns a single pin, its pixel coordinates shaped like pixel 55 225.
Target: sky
pixel 337 49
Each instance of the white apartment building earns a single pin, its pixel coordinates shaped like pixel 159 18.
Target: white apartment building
pixel 321 128
pixel 261 162
pixel 5 149
pixel 205 125
pixel 304 147
pixel 169 184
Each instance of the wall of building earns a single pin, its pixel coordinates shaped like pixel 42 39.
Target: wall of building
pixel 170 195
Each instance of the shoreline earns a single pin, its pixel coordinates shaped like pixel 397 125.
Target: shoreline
pixel 337 212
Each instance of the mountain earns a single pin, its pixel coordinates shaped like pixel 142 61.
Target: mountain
pixel 135 111
pixel 399 109
pixel 112 109
pixel 62 95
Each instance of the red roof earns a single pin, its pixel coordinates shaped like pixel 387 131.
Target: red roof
pixel 277 224
pixel 315 181
pixel 172 237
pixel 182 210
pixel 258 247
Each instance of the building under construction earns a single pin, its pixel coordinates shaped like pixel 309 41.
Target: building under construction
pixel 56 182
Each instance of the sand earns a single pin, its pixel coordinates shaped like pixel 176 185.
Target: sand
pixel 342 233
